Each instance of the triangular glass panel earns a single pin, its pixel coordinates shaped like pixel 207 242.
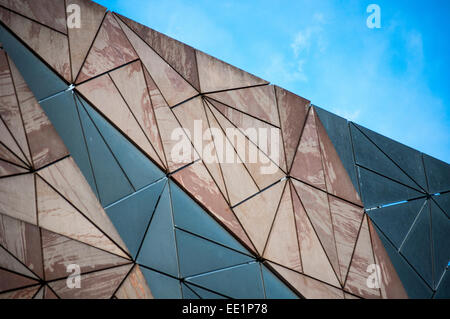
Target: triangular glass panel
pixel 377 190
pixel 42 81
pixel 415 287
pixel 139 169
pixel 417 246
pixel 242 281
pixel 396 220
pixel 208 255
pixel 274 287
pixel 407 158
pixel 205 294
pixel 438 174
pixel 158 249
pixel 368 155
pixel 188 215
pixel 162 286
pixel 440 230
pixel 63 114
pixel 112 183
pixel 132 214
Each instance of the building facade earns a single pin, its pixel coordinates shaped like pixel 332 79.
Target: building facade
pixel 135 166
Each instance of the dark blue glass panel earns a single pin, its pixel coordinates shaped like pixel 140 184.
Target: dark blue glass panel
pixel 204 294
pixel 417 246
pixel 159 249
pixel 441 245
pixel 242 281
pixel 197 255
pixel 377 190
pixel 139 169
pixel 369 156
pixel 339 134
pixel 443 201
pixel 188 293
pixel 443 291
pixel 162 286
pixel 112 183
pixel 274 287
pixel 438 174
pixel 415 287
pixel 132 215
pixel 62 111
pixel 395 221
pixel 190 216
pixel 41 80
pixel 407 158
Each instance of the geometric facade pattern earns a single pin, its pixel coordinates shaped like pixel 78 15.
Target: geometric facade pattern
pixel 88 176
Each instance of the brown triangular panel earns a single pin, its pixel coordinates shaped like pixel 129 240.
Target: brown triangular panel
pixel 390 285
pixel 10 150
pixel 131 84
pixel 81 38
pixel 263 171
pixel 9 108
pixel 257 214
pixel 358 277
pixel 10 262
pixel 12 280
pixel 8 169
pixel 307 165
pixel 258 101
pixel 282 246
pixel 347 219
pixel 307 286
pixel 51 46
pixel 95 285
pixel 48 12
pixel 252 127
pixel 314 259
pixel 293 110
pixel 26 293
pixel 192 118
pixel 17 197
pixel 45 144
pixel 58 215
pixel 110 50
pixel 22 240
pixel 67 179
pixel 316 206
pixel 179 55
pixel 173 87
pixel 240 188
pixel 216 75
pixel 134 286
pixel 60 251
pixel 337 180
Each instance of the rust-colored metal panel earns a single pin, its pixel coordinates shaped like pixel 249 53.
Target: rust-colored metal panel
pixel 44 142
pixel 216 75
pixel 180 56
pixel 307 165
pixel 282 244
pixel 293 110
pixel 51 46
pixel 60 251
pixel 109 50
pixel 257 214
pixel 256 101
pixel 314 259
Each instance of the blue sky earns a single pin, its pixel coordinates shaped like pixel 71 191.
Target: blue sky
pixel 394 80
